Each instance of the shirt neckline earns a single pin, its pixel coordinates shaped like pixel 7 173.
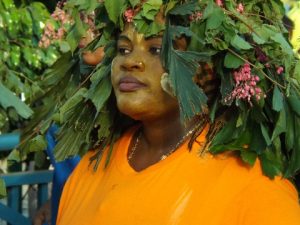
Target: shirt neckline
pixel 123 147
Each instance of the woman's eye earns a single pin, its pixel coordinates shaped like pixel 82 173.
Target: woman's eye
pixel 123 50
pixel 155 50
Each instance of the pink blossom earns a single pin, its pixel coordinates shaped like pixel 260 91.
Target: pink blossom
pixel 219 3
pixel 196 16
pixel 49 27
pixel 129 13
pixel 279 70
pixel 240 8
pixel 51 33
pixel 245 85
pixel 60 33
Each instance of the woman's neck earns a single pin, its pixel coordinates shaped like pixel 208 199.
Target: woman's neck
pixel 160 135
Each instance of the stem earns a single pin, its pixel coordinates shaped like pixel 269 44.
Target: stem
pixel 16 42
pixel 22 75
pixel 36 130
pixel 245 60
pixel 231 13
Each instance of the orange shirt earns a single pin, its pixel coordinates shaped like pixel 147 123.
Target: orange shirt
pixel 183 189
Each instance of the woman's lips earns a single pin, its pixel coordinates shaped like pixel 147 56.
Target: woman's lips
pixel 129 84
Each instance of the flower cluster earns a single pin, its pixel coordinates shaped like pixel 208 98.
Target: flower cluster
pixel 245 85
pixel 52 34
pixel 196 16
pixel 240 8
pixel 279 70
pixel 219 3
pixel 128 15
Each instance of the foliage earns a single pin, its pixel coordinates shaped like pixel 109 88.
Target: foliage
pixel 21 64
pixel 21 61
pixel 229 35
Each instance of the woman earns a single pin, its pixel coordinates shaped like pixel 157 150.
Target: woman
pixel 152 178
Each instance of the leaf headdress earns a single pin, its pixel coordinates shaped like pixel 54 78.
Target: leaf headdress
pixel 244 42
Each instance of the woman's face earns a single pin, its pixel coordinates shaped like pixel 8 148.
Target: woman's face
pixel 136 74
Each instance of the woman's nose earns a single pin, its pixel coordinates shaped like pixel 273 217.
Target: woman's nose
pixel 133 65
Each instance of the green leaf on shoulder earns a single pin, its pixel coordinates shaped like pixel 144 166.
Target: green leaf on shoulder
pixel 271 166
pixel 248 157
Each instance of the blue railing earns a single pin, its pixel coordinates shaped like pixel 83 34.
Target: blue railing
pixel 9 141
pixel 12 211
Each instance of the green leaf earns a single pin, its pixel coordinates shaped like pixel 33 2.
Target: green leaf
pixel 285 46
pixel 183 66
pixel 133 3
pixel 40 158
pixel 14 156
pixel 73 138
pixel 277 101
pixel 258 40
pixel 265 134
pixel 76 33
pixel 277 8
pixel 151 8
pixel 8 99
pixel 58 70
pixel 100 93
pixel 290 130
pixel 64 46
pixel 225 135
pixel 294 163
pixel 249 157
pixel 258 142
pixel 114 7
pixel 270 164
pixel 184 9
pixel 215 19
pixel 232 62
pixel 294 101
pixel 240 43
pixel 66 109
pixel 297 71
pixel 38 143
pixel 2 189
pixel 280 126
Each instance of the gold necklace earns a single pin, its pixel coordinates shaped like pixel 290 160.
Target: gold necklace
pixel 164 156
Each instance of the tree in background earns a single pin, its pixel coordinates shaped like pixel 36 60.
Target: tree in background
pixel 22 61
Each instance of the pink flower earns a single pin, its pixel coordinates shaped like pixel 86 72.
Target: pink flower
pixel 245 85
pixel 279 70
pixel 129 13
pixel 240 8
pixel 196 16
pixel 219 3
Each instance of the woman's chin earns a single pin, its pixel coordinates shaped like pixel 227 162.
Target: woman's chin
pixel 132 110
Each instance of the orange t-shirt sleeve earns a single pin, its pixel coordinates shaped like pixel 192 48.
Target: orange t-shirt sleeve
pixel 270 202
